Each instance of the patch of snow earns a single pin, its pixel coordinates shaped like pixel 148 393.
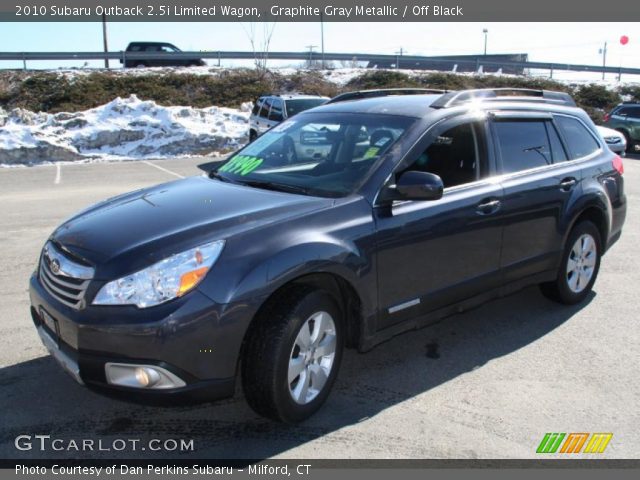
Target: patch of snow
pixel 123 128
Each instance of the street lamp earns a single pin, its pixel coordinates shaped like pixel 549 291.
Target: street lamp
pixel 485 31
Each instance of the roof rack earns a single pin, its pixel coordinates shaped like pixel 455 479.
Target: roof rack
pixel 452 99
pixel 383 92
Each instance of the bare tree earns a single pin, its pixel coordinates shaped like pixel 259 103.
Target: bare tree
pixel 260 34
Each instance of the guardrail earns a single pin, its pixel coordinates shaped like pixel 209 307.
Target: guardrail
pixel 404 60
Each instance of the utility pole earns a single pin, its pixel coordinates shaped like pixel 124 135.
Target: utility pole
pixel 486 34
pixel 322 38
pixel 398 55
pixel 311 47
pixel 104 40
pixel 603 51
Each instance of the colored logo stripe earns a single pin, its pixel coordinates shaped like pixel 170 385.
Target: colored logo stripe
pixel 574 442
pixel 598 442
pixel 550 443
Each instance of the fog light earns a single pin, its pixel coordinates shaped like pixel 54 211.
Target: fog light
pixel 141 376
pixel 147 377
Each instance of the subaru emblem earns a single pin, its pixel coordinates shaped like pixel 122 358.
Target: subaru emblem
pixel 55 266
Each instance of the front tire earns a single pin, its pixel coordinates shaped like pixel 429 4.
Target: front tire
pixel 292 355
pixel 579 267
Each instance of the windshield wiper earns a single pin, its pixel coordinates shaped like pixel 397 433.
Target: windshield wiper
pixel 280 187
pixel 218 176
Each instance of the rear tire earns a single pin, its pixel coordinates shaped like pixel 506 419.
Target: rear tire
pixel 579 267
pixel 630 142
pixel 292 354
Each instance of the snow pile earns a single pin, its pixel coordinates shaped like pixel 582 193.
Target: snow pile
pixel 123 128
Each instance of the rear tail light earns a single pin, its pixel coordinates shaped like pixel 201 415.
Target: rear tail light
pixel 606 117
pixel 618 165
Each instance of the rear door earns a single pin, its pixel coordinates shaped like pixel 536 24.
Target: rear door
pixel 539 184
pixel 435 253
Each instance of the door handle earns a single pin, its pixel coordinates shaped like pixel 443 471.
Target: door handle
pixel 488 206
pixel 568 183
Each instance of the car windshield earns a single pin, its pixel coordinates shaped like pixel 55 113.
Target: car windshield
pixel 301 104
pixel 323 154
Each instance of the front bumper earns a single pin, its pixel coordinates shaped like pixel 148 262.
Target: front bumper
pixel 193 338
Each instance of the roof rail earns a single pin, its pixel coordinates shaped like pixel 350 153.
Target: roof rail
pixel 452 99
pixel 383 92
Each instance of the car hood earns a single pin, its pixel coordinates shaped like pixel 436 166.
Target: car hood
pixel 135 229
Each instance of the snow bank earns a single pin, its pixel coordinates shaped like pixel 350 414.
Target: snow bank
pixel 126 128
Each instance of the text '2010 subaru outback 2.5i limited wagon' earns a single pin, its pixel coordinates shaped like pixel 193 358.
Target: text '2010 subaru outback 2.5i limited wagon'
pixel 420 206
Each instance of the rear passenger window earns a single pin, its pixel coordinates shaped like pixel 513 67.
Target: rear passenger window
pixel 579 140
pixel 276 110
pixel 634 112
pixel 630 112
pixel 524 144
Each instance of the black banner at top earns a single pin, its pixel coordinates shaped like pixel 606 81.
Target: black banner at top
pixel 318 10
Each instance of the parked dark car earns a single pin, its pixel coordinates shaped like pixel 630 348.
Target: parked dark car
pixel 154 54
pixel 269 271
pixel 625 118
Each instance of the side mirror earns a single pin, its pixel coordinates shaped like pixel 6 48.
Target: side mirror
pixel 414 185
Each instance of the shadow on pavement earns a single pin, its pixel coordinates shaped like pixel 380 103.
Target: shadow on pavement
pixel 38 398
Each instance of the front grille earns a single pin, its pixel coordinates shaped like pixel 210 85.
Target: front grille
pixel 63 278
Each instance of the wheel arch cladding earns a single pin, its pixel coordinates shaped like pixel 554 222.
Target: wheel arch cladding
pixel 337 286
pixel 598 217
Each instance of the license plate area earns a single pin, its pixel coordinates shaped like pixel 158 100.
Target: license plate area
pixel 51 324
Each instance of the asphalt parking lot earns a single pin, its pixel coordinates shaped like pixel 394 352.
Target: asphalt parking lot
pixel 488 383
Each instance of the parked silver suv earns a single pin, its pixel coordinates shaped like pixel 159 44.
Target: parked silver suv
pixel 270 110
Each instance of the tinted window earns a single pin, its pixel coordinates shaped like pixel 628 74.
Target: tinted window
pixel 524 144
pixel 168 49
pixel 264 111
pixel 579 140
pixel 453 156
pixel 276 110
pixel 558 153
pixel 632 112
pixel 299 105
pixel 256 107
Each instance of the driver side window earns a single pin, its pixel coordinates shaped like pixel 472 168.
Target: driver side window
pixel 457 155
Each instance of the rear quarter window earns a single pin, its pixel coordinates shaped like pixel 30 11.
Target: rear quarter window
pixel 580 140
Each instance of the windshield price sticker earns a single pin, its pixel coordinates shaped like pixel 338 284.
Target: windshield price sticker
pixel 241 165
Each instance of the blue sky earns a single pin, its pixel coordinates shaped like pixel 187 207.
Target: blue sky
pixel 556 42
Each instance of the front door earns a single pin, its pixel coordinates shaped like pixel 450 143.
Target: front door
pixel 435 253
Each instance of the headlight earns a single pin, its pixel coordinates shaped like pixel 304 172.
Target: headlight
pixel 163 281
